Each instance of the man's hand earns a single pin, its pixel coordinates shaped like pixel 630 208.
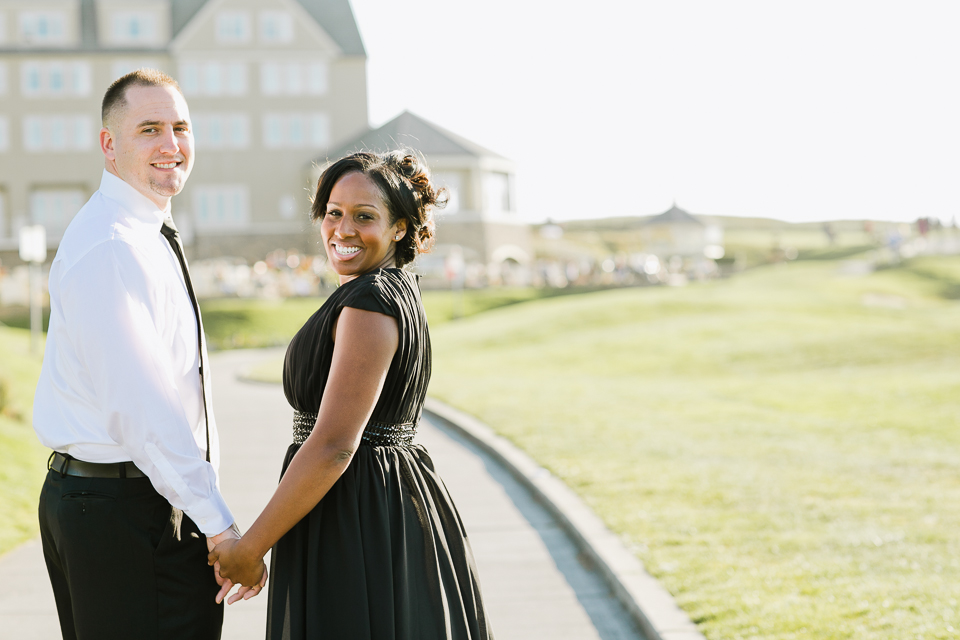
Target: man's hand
pixel 234 565
pixel 233 533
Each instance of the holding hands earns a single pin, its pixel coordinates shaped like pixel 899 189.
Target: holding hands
pixel 233 566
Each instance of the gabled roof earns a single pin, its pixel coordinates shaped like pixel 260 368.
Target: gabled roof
pixel 334 16
pixel 674 215
pixel 411 131
pixel 182 12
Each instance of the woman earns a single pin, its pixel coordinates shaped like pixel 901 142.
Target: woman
pixel 368 541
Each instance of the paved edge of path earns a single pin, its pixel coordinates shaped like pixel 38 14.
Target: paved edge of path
pixel 647 602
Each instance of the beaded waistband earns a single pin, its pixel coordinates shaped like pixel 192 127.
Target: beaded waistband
pixel 377 434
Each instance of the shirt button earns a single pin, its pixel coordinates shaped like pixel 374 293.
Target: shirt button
pixel 203 521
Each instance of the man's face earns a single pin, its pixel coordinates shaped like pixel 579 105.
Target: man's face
pixel 149 143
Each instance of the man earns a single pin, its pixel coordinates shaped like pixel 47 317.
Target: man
pixel 131 504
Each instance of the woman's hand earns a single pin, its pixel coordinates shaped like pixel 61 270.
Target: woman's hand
pixel 240 568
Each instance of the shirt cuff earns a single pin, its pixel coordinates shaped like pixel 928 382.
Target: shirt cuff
pixel 211 516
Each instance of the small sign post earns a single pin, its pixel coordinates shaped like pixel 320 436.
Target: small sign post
pixel 33 250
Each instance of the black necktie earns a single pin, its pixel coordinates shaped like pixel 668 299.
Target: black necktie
pixel 169 231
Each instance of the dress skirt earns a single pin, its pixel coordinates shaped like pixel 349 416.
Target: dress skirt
pixel 384 556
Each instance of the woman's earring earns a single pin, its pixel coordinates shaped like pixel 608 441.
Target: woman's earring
pixel 396 237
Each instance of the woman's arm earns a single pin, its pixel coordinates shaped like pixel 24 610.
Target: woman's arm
pixel 364 346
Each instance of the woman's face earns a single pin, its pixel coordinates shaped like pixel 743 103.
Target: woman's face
pixel 356 229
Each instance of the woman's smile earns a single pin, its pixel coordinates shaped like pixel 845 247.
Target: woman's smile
pixel 345 250
pixel 358 231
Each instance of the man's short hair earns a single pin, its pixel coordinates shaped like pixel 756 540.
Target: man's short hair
pixel 115 97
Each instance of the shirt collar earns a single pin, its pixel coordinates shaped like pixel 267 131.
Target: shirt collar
pixel 142 207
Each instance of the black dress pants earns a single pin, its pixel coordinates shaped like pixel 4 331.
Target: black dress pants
pixel 118 572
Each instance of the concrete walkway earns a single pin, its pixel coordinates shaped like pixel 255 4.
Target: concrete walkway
pixel 534 583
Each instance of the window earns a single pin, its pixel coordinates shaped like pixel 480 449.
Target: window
pixel 54 79
pixel 57 133
pixel 3 78
pixel 270 81
pixel 123 67
pixel 273 132
pixel 276 27
pixel 80 78
pixel 451 181
pixel 238 131
pixel 213 78
pixel 236 79
pixel 43 27
pixel 296 130
pixel 233 27
pixel 190 79
pixel 221 131
pixel 3 27
pixel 288 207
pixel 496 191
pixel 319 129
pixel 134 27
pixel 4 134
pixel 293 78
pixel 316 78
pixel 54 208
pixel 221 206
pixel 83 132
pixel 33 133
pixel 56 84
pixel 31 83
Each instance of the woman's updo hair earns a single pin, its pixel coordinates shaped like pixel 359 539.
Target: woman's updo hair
pixel 404 182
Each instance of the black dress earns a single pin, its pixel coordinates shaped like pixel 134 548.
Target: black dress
pixel 384 555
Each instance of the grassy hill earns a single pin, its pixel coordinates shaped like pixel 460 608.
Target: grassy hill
pixel 779 448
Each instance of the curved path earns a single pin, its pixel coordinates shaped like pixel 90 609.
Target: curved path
pixel 533 581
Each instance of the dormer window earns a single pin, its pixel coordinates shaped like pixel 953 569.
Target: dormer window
pixel 43 27
pixel 233 27
pixel 134 27
pixel 276 27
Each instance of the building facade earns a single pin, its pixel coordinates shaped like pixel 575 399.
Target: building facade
pixel 270 87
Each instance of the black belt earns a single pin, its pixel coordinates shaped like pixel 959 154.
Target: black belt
pixel 67 465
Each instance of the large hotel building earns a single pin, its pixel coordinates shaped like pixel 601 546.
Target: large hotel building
pixel 274 89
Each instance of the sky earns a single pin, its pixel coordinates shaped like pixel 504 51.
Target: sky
pixel 797 110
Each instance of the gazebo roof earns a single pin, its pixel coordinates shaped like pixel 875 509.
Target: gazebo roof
pixel 674 215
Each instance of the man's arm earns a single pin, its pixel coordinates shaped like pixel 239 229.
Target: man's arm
pixel 111 300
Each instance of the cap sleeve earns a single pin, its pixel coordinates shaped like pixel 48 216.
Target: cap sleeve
pixel 371 293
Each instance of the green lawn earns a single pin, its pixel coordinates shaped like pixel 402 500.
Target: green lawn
pixel 22 458
pixel 781 449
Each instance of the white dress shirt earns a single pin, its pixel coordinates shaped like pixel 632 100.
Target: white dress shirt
pixel 120 378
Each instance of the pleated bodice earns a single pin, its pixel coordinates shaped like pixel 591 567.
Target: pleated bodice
pixel 393 292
